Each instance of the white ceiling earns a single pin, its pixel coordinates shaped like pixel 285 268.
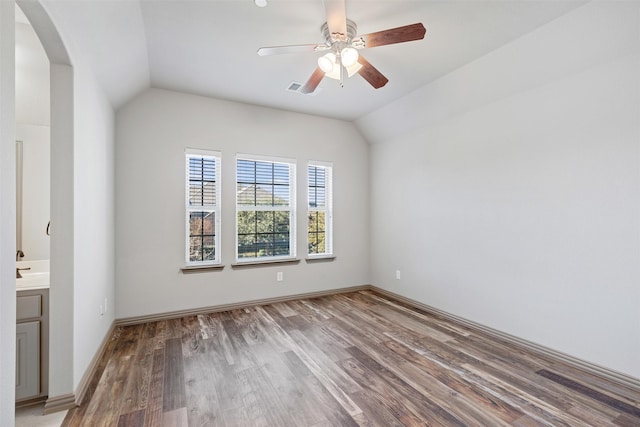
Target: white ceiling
pixel 209 47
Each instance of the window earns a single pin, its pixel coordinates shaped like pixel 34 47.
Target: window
pixel 265 208
pixel 203 207
pixel 319 207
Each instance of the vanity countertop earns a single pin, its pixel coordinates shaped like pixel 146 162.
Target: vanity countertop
pixel 36 277
pixel 30 283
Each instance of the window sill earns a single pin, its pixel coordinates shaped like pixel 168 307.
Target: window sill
pixel 201 268
pixel 320 258
pixel 259 263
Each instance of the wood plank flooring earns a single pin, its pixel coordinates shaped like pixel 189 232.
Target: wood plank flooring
pixel 356 359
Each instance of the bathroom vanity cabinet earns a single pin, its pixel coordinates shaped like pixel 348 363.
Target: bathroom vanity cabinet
pixel 32 344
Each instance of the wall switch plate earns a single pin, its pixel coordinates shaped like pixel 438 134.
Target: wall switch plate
pixel 398 274
pixel 279 276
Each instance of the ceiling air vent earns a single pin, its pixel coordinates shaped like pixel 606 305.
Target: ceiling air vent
pixel 295 87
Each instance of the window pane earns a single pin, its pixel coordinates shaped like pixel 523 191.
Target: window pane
pixel 202 245
pixel 209 223
pixel 316 221
pixel 246 246
pixel 319 197
pixel 321 243
pixel 317 185
pixel 265 244
pixel 282 222
pixel 264 195
pixel 317 243
pixel 202 223
pixel 246 194
pixel 195 249
pixel 280 173
pixel 208 248
pixel 313 243
pixel 265 222
pixel 264 172
pixel 281 244
pixel 245 171
pixel 246 222
pixel 202 193
pixel 202 181
pixel 281 195
pixel 311 176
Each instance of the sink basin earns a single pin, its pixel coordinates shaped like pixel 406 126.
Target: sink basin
pixel 34 275
pixel 35 278
pixel 34 281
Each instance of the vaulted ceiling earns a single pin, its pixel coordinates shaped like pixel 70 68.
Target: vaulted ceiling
pixel 209 47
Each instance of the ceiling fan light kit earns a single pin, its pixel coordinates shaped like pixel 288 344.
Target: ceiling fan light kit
pixel 330 64
pixel 348 56
pixel 327 62
pixel 343 57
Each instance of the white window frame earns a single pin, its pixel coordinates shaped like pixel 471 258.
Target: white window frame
pixel 291 208
pixel 327 209
pixel 216 209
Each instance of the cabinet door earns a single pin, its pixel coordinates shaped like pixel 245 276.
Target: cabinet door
pixel 27 360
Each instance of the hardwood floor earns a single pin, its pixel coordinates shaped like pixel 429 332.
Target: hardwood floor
pixel 355 359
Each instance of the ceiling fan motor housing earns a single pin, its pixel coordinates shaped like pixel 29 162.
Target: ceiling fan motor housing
pixel 331 38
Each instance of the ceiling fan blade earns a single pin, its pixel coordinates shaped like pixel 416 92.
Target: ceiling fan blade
pixel 403 34
pixel 336 16
pixel 299 48
pixel 371 74
pixel 313 82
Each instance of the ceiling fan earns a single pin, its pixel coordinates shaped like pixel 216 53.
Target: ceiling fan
pixel 342 43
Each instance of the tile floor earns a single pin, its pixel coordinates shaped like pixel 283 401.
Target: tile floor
pixel 32 416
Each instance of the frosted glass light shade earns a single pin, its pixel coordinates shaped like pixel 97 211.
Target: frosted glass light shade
pixel 352 69
pixel 348 56
pixel 327 62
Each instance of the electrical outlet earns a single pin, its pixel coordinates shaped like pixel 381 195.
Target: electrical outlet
pixel 279 276
pixel 398 274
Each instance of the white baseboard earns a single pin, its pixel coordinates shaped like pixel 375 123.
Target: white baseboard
pixel 59 403
pixel 69 401
pixel 226 307
pixel 83 386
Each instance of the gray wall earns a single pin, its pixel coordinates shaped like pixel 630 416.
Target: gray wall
pixel 94 219
pixel 82 203
pixel 152 132
pixel 7 215
pixel 509 192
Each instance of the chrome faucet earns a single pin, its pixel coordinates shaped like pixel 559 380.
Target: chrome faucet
pixel 18 275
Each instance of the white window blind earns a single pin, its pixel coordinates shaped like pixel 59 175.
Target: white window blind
pixel 320 209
